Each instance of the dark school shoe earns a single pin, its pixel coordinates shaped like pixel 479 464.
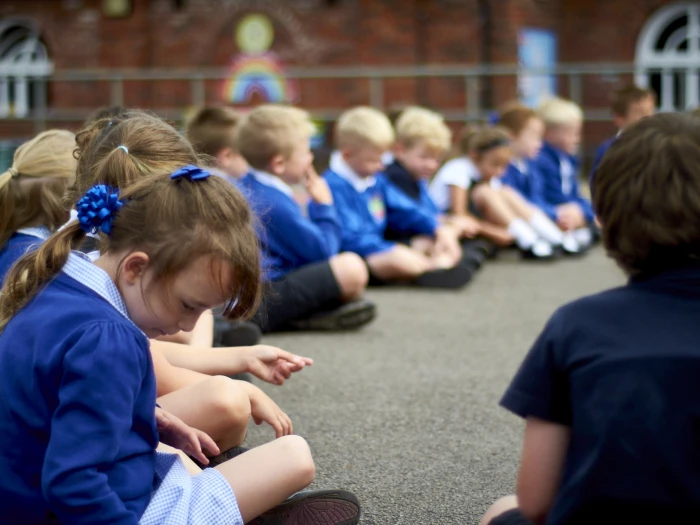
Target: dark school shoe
pixel 481 245
pixel 349 316
pixel 450 278
pixel 314 507
pixel 235 333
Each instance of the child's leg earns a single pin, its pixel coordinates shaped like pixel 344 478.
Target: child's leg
pixel 505 504
pixel 351 273
pixel 217 406
pixel 202 335
pixel 267 475
pixel 492 204
pixel 544 227
pixel 401 263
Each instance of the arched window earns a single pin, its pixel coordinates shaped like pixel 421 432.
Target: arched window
pixel 23 62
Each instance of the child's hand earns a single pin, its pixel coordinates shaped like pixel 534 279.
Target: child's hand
pixel 265 410
pixel 447 242
pixel 318 187
pixel 468 226
pixel 274 365
pixel 176 433
pixel 570 217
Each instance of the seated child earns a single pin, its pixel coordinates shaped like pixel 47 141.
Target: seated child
pixel 473 181
pixel 212 131
pixel 558 165
pixel 368 203
pixel 422 138
pixel 609 391
pixel 124 150
pixel 31 191
pixel 310 285
pixel 629 104
pixel 79 424
pixel 526 130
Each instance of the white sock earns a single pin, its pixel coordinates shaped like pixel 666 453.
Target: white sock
pixel 525 236
pixel 546 228
pixel 584 236
pixel 570 244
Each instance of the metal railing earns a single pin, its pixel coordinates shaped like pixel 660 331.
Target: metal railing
pixel 475 80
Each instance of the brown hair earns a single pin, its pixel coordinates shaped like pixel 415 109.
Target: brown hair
pixel 626 95
pixel 514 117
pixel 212 129
pixel 136 142
pixel 31 189
pixel 173 222
pixel 647 194
pixel 473 139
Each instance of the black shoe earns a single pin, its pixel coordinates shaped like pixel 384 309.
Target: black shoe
pixel 314 507
pixel 451 278
pixel 221 458
pixel 347 317
pixel 473 258
pixel 480 245
pixel 235 333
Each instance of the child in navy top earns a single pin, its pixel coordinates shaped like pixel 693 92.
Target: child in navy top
pixel 523 176
pixel 367 203
pixel 558 163
pixel 630 104
pixel 422 139
pixel 311 284
pixel 31 191
pixel 79 449
pixel 609 390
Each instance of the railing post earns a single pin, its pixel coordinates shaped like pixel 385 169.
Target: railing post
pixel 116 97
pixel 575 88
pixel 40 101
pixel 376 92
pixel 199 97
pixel 472 85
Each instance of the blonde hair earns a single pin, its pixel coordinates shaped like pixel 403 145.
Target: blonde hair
pixel 416 125
pixel 31 189
pixel 557 111
pixel 122 150
pixel 270 130
pixel 173 222
pixel 362 126
pixel 212 129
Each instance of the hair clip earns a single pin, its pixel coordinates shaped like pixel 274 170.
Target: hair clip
pixel 98 208
pixel 191 172
pixel 494 117
pixel 126 150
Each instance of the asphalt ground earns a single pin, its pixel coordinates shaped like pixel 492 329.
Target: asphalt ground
pixel 405 412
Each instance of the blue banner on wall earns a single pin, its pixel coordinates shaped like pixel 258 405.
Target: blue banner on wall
pixel 537 58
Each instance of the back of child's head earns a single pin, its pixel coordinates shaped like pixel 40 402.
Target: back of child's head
pixel 31 189
pixel 362 127
pixel 623 97
pixel 174 219
pixel 121 150
pixel 514 117
pixel 420 126
pixel 108 112
pixel 270 130
pixel 558 111
pixel 647 195
pixel 476 140
pixel 213 129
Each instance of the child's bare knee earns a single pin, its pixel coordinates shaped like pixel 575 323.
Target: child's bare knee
pixel 502 505
pixel 298 452
pixel 351 273
pixel 229 400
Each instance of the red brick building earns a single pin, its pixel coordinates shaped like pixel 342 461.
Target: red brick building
pixel 457 56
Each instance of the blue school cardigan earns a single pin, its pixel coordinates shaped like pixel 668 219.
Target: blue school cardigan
pixel 529 184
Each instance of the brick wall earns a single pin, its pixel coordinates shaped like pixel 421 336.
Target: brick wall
pixel 323 33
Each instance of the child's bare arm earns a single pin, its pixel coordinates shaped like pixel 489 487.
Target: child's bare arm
pixel 458 200
pixel 544 450
pixel 168 377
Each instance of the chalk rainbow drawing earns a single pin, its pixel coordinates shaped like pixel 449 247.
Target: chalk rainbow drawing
pixel 262 74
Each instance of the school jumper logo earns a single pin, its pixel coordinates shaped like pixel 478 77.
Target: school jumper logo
pixel 377 209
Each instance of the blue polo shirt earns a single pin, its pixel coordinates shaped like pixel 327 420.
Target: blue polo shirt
pixel 621 369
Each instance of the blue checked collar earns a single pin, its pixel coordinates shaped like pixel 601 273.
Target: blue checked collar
pixel 40 232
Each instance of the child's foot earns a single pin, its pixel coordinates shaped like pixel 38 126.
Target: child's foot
pixel 571 246
pixel 314 507
pixel 539 251
pixel 347 317
pixel 236 333
pixel 451 278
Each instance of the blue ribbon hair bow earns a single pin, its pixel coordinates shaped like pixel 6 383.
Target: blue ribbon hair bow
pixel 191 172
pixel 98 207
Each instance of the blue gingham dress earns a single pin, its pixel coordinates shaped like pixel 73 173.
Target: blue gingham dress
pixel 177 498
